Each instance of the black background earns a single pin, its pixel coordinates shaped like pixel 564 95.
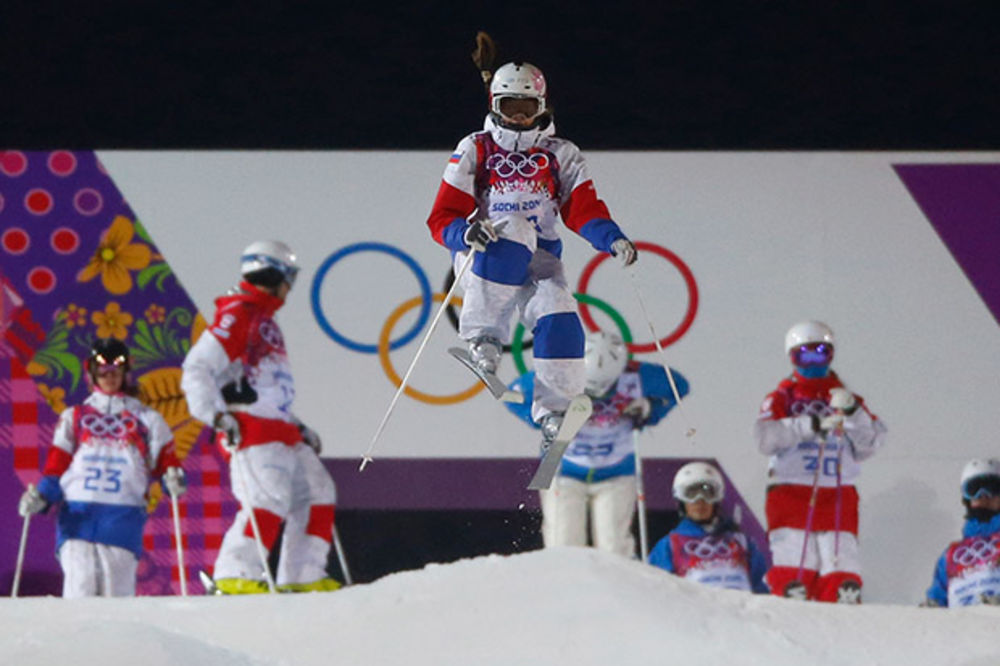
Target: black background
pixel 665 75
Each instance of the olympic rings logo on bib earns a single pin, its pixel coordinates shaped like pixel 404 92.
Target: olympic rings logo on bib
pixel 507 165
pixel 980 551
pixel 385 343
pixel 708 549
pixel 108 425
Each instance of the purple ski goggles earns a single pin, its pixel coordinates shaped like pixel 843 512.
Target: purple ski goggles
pixel 812 354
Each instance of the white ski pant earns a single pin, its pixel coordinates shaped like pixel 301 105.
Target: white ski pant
pixel 97 570
pixel 511 277
pixel 610 505
pixel 281 483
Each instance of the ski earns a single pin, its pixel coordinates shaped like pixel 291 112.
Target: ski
pixel 492 382
pixel 208 583
pixel 576 416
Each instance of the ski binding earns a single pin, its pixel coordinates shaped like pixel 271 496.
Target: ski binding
pixel 492 382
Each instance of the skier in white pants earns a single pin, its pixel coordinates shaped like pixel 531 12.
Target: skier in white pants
pixel 503 193
pixel 237 377
pixel 104 454
pixel 597 476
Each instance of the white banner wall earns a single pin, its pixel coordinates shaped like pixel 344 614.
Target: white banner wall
pixel 770 238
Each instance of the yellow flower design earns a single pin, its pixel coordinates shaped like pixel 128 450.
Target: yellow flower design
pixel 156 314
pixel 112 323
pixel 116 255
pixel 55 396
pixel 75 316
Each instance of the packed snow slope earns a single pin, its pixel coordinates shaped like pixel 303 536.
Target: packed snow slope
pixel 558 606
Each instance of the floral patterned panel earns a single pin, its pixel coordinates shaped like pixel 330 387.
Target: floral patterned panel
pixel 75 264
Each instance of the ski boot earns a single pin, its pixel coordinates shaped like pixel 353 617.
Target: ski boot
pixel 795 590
pixel 558 430
pixel 849 592
pixel 483 358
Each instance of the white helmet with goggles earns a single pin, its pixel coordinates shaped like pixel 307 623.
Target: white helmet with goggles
pixel 807 332
pixel 518 81
pixel 699 480
pixel 269 263
pixel 981 478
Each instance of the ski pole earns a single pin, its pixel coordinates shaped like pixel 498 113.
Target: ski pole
pixel 689 431
pixel 340 556
pixel 261 551
pixel 640 499
pixel 812 506
pixel 175 507
pixel 20 554
pixel 839 501
pixel 367 457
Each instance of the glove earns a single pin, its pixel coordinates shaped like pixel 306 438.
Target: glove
pixel 625 251
pixel 31 502
pixel 638 410
pixel 226 424
pixel 311 439
pixel 479 234
pixel 843 400
pixel 831 421
pixel 175 481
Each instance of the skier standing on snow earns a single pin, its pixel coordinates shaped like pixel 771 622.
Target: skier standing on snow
pixel 238 379
pixel 816 432
pixel 104 454
pixel 968 573
pixel 503 193
pixel 597 477
pixel 706 547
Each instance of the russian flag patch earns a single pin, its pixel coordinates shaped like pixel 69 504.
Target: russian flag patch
pixel 455 158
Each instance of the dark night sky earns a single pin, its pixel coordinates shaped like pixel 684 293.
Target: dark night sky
pixel 669 75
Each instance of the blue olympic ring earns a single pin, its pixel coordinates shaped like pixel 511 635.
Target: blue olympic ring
pixel 425 292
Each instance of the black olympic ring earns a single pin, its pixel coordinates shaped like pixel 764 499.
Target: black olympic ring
pixel 506 165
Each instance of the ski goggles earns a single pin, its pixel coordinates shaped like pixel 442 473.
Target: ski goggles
pixel 106 366
pixel 812 354
pixel 709 492
pixel 979 487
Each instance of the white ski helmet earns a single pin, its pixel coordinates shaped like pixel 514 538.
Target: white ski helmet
pixel 976 469
pixel 520 80
pixel 699 480
pixel 604 359
pixel 260 256
pixel 806 332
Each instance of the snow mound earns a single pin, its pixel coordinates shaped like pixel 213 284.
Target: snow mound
pixel 557 606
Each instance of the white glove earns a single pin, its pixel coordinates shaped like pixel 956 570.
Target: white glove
pixel 842 399
pixel 638 410
pixel 479 234
pixel 831 421
pixel 31 502
pixel 227 424
pixel 175 481
pixel 625 251
pixel 311 439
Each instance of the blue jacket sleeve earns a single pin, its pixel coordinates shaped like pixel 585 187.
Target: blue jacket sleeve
pixel 660 556
pixel 938 591
pixel 526 385
pixel 601 233
pixel 50 489
pixel 758 567
pixel 656 387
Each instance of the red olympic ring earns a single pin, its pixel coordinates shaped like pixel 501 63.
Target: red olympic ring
pixel 692 288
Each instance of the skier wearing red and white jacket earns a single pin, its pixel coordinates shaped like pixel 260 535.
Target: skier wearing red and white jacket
pixel 816 432
pixel 237 378
pixel 105 452
pixel 504 192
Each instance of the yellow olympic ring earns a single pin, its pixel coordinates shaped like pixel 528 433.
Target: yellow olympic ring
pixel 383 357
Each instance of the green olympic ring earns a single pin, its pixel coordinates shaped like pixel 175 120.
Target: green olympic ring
pixel 517 346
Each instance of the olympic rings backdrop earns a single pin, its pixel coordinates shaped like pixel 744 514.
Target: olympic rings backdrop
pixel 385 342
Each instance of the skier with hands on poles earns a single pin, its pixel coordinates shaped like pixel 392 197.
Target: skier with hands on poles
pixel 238 378
pixel 105 452
pixel 706 547
pixel 816 433
pixel 503 192
pixel 968 572
pixel 597 477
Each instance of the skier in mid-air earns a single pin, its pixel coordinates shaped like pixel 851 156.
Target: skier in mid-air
pixel 503 193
